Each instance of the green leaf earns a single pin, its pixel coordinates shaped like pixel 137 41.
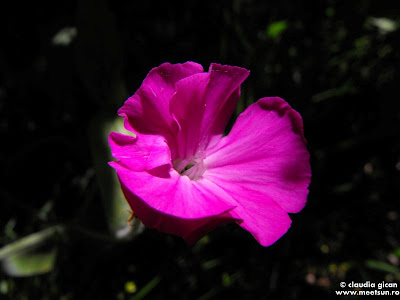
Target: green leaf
pixel 345 89
pixel 147 288
pixel 226 279
pixel 275 29
pixel 381 266
pixel 29 242
pixel 30 263
pixel 32 255
pixel 385 25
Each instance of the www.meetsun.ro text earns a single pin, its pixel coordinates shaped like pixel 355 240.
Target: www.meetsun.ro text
pixel 368 293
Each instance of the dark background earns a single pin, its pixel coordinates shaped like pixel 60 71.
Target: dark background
pixel 333 61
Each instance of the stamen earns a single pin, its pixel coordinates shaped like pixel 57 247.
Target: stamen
pixel 188 166
pixel 193 168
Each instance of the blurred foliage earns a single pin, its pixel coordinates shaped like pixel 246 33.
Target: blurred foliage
pixel 276 28
pixel 65 69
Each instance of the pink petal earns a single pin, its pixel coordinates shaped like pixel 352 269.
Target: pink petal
pixel 266 221
pixel 263 160
pixel 255 212
pixel 266 151
pixel 189 229
pixel 143 152
pixel 203 104
pixel 222 94
pixel 173 203
pixel 188 107
pixel 147 111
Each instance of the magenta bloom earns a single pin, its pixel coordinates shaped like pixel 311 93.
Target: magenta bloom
pixel 181 176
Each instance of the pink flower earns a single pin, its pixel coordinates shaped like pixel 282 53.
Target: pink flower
pixel 181 176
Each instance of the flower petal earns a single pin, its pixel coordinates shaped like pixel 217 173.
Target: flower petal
pixel 222 94
pixel 189 229
pixel 144 152
pixel 173 204
pixel 203 104
pixel 264 152
pixel 147 111
pixel 188 107
pixel 169 193
pixel 255 212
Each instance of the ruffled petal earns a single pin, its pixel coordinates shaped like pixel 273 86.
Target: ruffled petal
pixel 189 229
pixel 147 111
pixel 255 212
pixel 144 152
pixel 202 106
pixel 265 152
pixel 267 221
pixel 173 204
pixel 188 106
pixel 222 94
pixel 168 193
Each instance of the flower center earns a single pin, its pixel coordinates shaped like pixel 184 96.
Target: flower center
pixel 192 168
